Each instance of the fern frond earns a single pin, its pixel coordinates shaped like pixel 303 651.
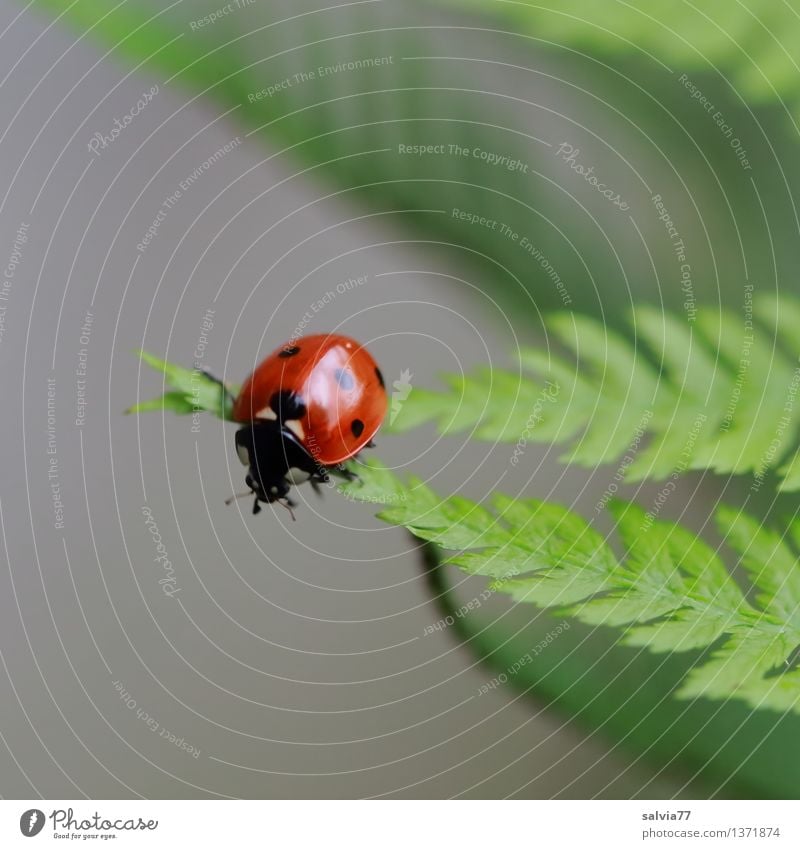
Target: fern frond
pixel 721 393
pixel 670 592
pixel 753 44
pixel 191 391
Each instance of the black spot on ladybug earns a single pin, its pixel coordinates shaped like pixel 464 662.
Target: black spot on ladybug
pixel 380 377
pixel 288 351
pixel 357 426
pixel 345 379
pixel 287 406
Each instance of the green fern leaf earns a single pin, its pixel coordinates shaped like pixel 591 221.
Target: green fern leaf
pixel 669 592
pixel 769 561
pixel 192 391
pixel 722 394
pixel 753 44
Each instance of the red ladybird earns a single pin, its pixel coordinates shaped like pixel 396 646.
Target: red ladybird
pixel 308 407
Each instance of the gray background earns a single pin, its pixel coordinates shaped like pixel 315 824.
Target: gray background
pixel 293 657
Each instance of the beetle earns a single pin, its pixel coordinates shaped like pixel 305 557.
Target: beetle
pixel 311 405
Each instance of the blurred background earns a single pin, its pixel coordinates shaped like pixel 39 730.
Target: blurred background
pixel 203 181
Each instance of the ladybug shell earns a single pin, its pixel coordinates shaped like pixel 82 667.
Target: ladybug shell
pixel 326 389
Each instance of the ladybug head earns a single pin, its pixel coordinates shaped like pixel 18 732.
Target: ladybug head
pixel 268 493
pixel 272 453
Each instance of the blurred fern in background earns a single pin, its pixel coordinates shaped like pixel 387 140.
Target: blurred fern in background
pixel 754 45
pixel 516 81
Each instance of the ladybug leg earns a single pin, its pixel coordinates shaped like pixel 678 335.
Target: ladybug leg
pixel 288 504
pixel 256 507
pixel 347 474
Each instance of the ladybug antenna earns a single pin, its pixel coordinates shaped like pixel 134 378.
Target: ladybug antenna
pixel 229 501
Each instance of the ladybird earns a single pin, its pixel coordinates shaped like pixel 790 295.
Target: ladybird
pixel 311 405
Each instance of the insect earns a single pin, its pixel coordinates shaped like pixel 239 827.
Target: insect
pixel 311 405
